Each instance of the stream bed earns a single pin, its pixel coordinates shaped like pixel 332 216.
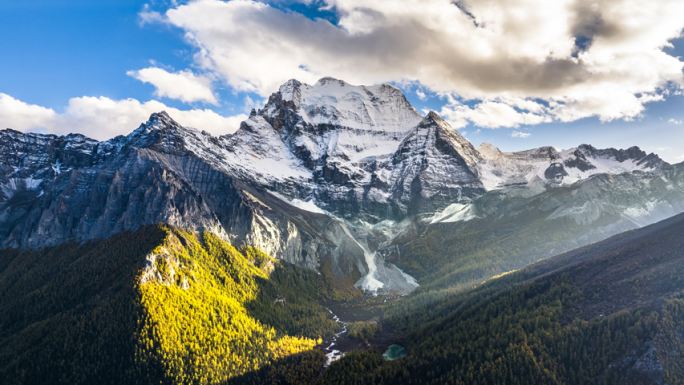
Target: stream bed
pixel 331 353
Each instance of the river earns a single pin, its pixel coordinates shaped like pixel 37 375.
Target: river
pixel 331 353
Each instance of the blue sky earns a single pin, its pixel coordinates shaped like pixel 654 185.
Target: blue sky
pixel 63 49
pixel 59 50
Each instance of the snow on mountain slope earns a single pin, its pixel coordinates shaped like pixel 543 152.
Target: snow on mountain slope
pixel 338 121
pixel 437 161
pixel 298 203
pixel 257 151
pixel 324 171
pixel 559 167
pixel 634 199
pixel 337 103
pixel 455 212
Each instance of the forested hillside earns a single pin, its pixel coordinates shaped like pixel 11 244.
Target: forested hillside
pixel 160 305
pixel 608 313
pixel 166 305
pixel 451 257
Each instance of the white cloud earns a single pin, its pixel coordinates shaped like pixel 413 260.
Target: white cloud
pixel 518 134
pixel 421 95
pixel 23 116
pixel 183 85
pixel 103 118
pixel 673 121
pixel 603 58
pixel 495 113
pixel 253 104
pixel 150 17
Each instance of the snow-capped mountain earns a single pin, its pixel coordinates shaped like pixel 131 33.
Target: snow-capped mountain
pixel 324 172
pixel 560 166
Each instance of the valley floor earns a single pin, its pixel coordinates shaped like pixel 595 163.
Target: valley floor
pixel 366 309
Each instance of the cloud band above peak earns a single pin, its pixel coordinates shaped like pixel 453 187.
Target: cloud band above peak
pixel 581 59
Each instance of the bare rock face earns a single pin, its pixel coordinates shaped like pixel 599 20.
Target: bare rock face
pixel 92 195
pixel 434 167
pixel 330 171
pixel 57 189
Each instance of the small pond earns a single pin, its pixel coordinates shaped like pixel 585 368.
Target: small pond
pixel 394 352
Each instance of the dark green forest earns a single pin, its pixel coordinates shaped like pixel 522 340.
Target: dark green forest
pixel 160 305
pixel 518 337
pixel 165 305
pixel 607 313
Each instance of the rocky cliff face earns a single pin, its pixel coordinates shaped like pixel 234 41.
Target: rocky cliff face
pixel 330 171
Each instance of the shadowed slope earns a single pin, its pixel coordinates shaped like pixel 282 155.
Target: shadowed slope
pixel 608 313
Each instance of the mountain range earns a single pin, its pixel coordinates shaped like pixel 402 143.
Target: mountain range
pixel 353 175
pixel 170 255
pixel 607 313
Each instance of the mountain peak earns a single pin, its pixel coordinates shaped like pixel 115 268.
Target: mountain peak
pixel 330 80
pixel 432 115
pixel 448 137
pixel 162 119
pixel 433 131
pixel 10 131
pixel 160 115
pixel 634 154
pixel 489 151
pixel 334 103
pixel 288 92
pixel 432 119
pixel 160 131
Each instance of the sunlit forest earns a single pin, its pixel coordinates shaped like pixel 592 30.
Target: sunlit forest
pixel 171 306
pixel 160 305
